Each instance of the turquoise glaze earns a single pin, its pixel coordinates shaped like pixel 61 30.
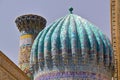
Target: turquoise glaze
pixel 71 42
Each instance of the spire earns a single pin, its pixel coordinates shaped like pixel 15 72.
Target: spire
pixel 71 9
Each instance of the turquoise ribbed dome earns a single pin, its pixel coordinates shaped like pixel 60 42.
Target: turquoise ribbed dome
pixel 70 44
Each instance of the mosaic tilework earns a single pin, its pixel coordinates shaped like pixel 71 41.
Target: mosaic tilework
pixel 72 76
pixel 73 72
pixel 24 59
pixel 26 41
pixel 30 23
pixel 70 42
pixel 29 26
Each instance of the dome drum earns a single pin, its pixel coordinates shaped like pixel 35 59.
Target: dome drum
pixel 84 71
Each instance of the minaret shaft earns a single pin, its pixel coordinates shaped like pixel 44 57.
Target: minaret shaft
pixel 29 26
pixel 26 41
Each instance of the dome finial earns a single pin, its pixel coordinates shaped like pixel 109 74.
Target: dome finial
pixel 71 9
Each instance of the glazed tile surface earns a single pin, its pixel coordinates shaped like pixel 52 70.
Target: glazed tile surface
pixel 71 48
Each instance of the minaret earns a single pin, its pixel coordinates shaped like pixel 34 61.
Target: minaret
pixel 29 26
pixel 115 35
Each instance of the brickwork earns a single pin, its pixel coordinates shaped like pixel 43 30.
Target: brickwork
pixel 9 71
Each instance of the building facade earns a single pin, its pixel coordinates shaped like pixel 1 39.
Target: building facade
pixel 115 35
pixel 10 71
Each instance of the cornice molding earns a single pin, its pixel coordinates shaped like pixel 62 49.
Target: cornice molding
pixel 11 69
